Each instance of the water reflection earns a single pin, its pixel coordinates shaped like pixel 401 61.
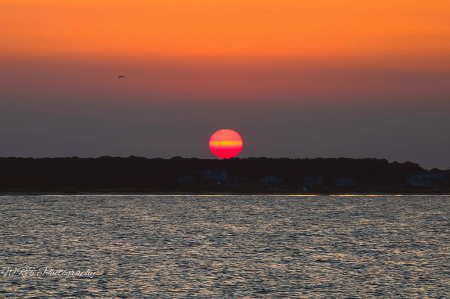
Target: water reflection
pixel 228 246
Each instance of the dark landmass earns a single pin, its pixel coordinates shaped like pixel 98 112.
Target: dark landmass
pixel 212 176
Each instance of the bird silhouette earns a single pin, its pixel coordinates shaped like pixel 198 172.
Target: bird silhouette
pixel 121 77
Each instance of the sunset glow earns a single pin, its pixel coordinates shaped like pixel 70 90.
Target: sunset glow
pixel 309 78
pixel 175 28
pixel 228 49
pixel 226 144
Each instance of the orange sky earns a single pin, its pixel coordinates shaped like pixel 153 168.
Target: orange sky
pixel 297 78
pixel 217 49
pixel 226 28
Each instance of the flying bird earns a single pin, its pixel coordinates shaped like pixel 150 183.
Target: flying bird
pixel 121 77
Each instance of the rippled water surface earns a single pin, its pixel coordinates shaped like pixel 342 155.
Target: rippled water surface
pixel 225 246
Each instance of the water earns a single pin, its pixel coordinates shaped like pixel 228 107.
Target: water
pixel 225 246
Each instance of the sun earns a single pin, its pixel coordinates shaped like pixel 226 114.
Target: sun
pixel 226 143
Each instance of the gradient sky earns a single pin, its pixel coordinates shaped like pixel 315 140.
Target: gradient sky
pixel 299 79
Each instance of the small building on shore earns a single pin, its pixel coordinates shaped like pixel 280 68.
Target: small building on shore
pixel 271 179
pixel 186 180
pixel 424 178
pixel 344 182
pixel 217 175
pixel 312 180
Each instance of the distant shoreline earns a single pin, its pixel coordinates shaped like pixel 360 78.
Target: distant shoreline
pixel 185 176
pixel 218 194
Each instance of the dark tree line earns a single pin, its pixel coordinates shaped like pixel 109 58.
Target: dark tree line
pixel 143 173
